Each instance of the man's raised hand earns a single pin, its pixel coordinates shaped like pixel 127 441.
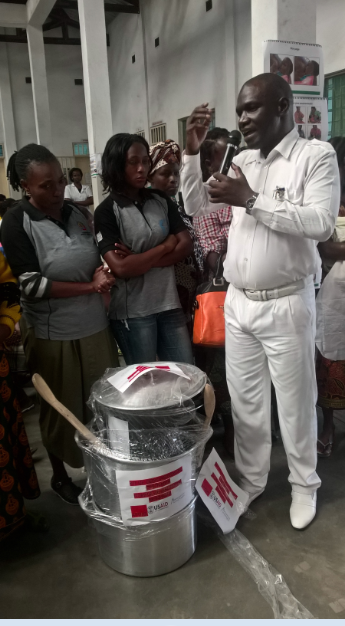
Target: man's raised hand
pixel 196 129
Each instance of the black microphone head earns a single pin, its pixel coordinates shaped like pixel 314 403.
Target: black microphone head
pixel 235 138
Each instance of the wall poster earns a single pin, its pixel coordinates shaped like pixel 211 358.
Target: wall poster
pixel 301 65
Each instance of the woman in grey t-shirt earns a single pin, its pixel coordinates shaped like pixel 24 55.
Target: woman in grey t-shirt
pixel 51 250
pixel 141 236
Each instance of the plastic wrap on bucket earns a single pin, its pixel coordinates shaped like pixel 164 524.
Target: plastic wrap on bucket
pixel 156 399
pixel 148 449
pixel 147 550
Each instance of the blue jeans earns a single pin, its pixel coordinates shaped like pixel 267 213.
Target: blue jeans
pixel 165 334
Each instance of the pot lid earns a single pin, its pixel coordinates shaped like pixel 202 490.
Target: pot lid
pixel 156 389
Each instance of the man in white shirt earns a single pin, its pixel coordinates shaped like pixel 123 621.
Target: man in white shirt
pixel 284 191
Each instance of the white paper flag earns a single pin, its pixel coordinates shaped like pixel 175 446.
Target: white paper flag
pixel 223 498
pixel 122 380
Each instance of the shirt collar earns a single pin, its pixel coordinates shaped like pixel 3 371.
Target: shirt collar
pixel 284 147
pixel 124 201
pixel 36 215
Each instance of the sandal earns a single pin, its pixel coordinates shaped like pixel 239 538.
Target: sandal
pixel 326 448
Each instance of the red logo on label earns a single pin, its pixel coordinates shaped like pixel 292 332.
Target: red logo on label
pixel 223 488
pixel 157 489
pixel 142 368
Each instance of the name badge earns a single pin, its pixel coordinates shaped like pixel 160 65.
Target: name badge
pixel 279 193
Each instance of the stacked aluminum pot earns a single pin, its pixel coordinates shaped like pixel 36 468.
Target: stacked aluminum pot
pixel 150 425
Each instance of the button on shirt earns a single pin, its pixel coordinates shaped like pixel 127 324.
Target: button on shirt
pixel 73 193
pixel 299 191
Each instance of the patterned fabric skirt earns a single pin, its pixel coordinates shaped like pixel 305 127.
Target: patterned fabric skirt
pixel 17 473
pixel 330 377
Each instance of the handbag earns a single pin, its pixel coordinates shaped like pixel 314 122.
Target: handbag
pixel 209 323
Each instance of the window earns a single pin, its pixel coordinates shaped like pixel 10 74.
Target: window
pixel 158 133
pixel 182 123
pixel 335 94
pixel 1 151
pixel 141 133
pixel 81 149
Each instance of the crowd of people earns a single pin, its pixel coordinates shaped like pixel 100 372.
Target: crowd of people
pixel 83 288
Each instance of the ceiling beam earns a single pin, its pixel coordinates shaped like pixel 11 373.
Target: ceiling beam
pixel 38 11
pixel 59 14
pixel 51 25
pixel 13 15
pixel 71 41
pixel 121 8
pixel 133 7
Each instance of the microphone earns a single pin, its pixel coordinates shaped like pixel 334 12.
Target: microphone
pixel 231 149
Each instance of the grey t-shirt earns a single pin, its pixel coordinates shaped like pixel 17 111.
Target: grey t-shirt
pixel 141 227
pixel 41 250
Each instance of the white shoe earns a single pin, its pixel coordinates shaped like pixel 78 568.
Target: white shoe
pixel 303 509
pixel 252 497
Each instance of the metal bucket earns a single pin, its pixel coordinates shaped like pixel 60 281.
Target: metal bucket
pixel 156 399
pixel 137 552
pixel 101 470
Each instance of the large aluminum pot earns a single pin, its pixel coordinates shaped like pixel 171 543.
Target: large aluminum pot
pixel 159 548
pixel 101 466
pixel 155 399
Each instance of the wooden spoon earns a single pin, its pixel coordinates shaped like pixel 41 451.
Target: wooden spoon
pixel 209 403
pixel 47 395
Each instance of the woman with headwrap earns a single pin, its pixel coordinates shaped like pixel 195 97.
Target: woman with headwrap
pixel 141 236
pixel 165 176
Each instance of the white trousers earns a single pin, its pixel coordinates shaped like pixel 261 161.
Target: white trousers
pixel 273 340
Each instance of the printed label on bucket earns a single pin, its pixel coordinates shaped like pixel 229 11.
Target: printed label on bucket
pixel 223 498
pixel 122 380
pixel 156 493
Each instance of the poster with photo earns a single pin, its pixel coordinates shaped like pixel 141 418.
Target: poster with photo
pixel 310 116
pixel 300 64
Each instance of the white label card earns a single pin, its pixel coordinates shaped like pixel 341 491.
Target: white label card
pixel 223 498
pixel 156 493
pixel 122 380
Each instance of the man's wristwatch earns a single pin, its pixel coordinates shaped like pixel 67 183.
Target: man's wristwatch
pixel 250 203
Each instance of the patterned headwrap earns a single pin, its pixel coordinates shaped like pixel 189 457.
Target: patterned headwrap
pixel 164 152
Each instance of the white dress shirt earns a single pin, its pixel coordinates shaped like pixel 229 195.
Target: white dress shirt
pixel 276 244
pixel 73 193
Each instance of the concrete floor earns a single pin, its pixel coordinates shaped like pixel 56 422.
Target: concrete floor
pixel 59 574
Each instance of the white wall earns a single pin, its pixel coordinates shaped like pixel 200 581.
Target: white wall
pixel 243 42
pixel 330 26
pixel 23 107
pixel 67 104
pixel 187 68
pixel 127 79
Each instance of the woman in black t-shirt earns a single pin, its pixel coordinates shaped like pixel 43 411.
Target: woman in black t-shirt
pixel 141 236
